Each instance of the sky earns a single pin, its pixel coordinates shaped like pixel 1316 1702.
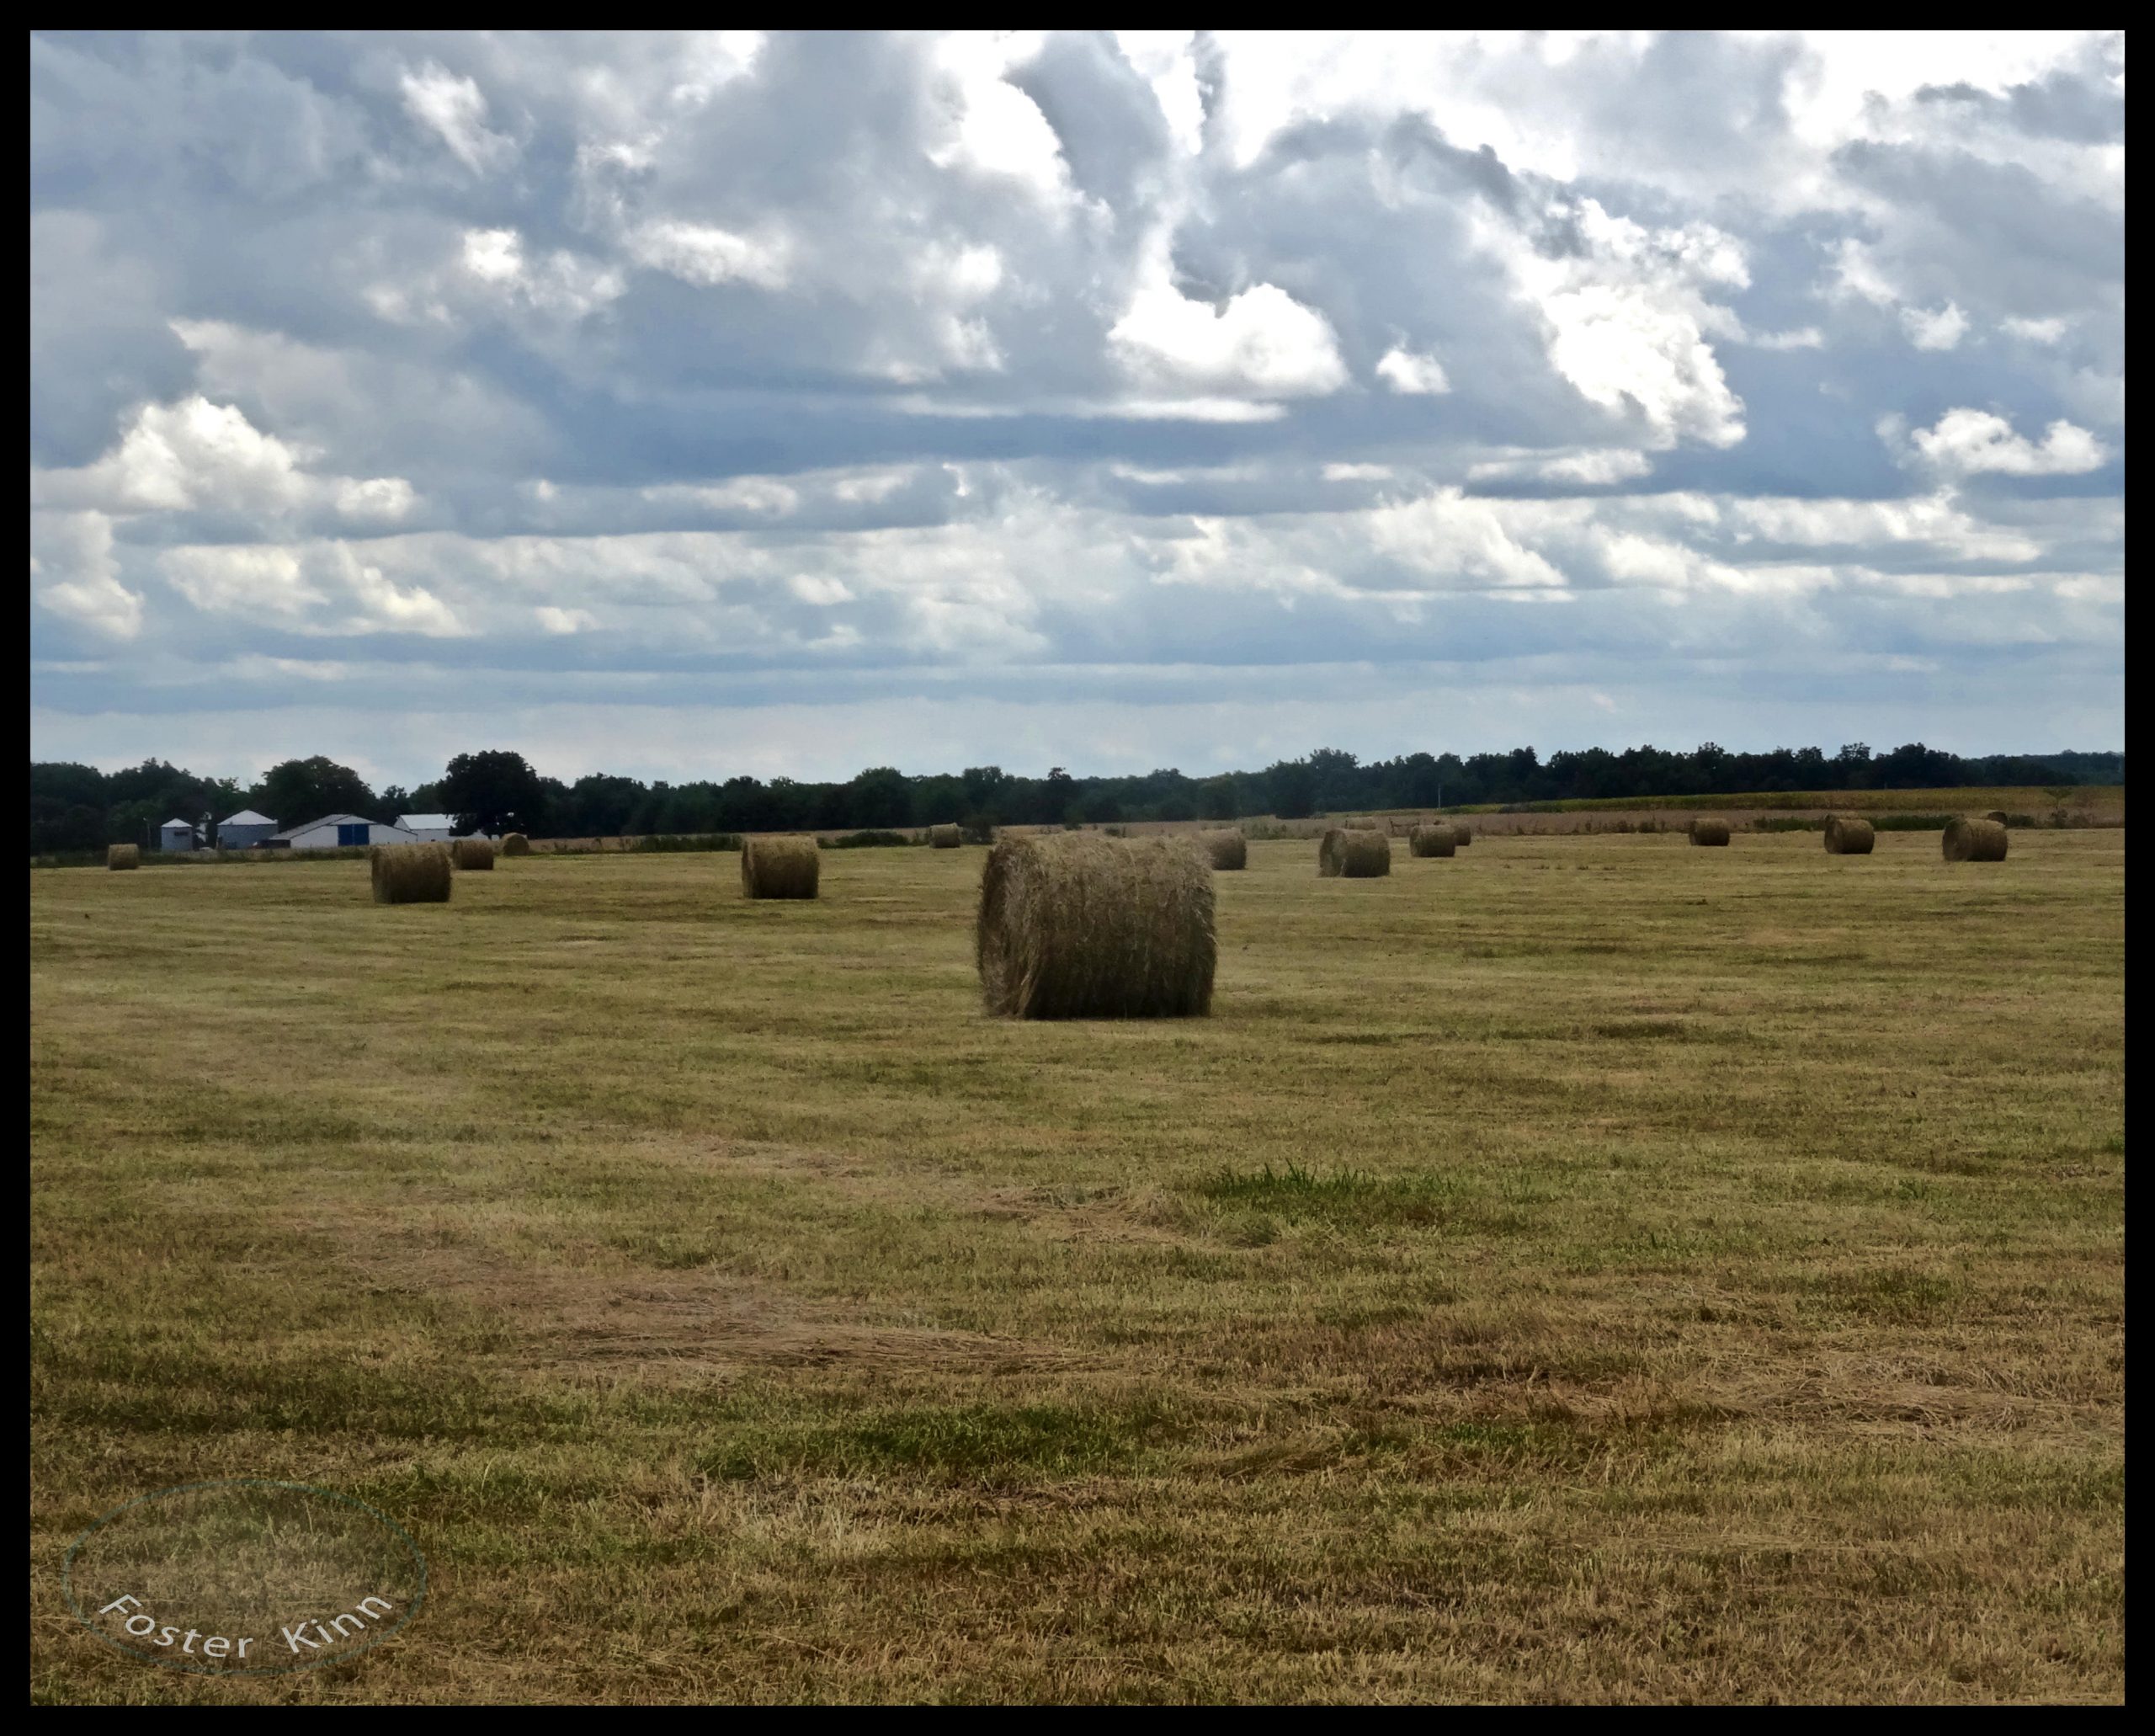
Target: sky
pixel 693 406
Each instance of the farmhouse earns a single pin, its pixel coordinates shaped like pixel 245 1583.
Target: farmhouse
pixel 340 831
pixel 245 829
pixel 178 835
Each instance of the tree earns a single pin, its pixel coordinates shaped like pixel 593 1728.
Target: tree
pixel 493 791
pixel 297 791
pixel 1294 788
pixel 882 799
pixel 1215 799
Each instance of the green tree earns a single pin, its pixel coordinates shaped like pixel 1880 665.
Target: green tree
pixel 1215 798
pixel 1294 788
pixel 297 791
pixel 493 791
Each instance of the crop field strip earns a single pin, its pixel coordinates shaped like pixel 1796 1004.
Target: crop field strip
pixel 1585 1267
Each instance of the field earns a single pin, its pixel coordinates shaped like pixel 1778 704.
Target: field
pixel 1585 1268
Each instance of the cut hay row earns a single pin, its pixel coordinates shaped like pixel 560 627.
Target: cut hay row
pixel 1704 831
pixel 123 855
pixel 1970 839
pixel 516 844
pixel 1227 849
pixel 780 867
pixel 1352 855
pixel 944 838
pixel 1076 925
pixel 1433 841
pixel 409 873
pixel 1849 835
pixel 473 853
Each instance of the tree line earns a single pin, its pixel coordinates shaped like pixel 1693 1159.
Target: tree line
pixel 78 807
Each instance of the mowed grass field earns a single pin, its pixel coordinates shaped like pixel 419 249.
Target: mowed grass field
pixel 1583 1268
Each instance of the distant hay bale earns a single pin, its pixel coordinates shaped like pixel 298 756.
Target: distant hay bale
pixel 516 844
pixel 1227 848
pixel 123 855
pixel 1704 831
pixel 944 838
pixel 1849 835
pixel 1997 814
pixel 470 852
pixel 1461 834
pixel 1433 841
pixel 409 873
pixel 1374 822
pixel 1076 925
pixel 1352 855
pixel 780 867
pixel 1970 839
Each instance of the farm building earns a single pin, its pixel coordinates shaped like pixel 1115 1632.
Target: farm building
pixel 340 831
pixel 244 829
pixel 178 835
pixel 437 828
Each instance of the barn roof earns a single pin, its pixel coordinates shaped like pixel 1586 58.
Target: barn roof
pixel 247 816
pixel 327 820
pixel 427 822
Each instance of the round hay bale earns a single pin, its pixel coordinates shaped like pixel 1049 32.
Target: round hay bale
pixel 1352 855
pixel 515 844
pixel 1970 839
pixel 1433 841
pixel 473 853
pixel 1227 849
pixel 123 855
pixel 1461 834
pixel 780 867
pixel 1997 814
pixel 944 838
pixel 1076 925
pixel 1849 835
pixel 409 873
pixel 1704 831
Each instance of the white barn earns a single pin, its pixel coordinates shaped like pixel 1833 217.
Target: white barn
pixel 342 831
pixel 244 829
pixel 437 828
pixel 178 835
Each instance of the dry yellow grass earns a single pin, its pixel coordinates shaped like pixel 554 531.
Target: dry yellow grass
pixel 1469 1308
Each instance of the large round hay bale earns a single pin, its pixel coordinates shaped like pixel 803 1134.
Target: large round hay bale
pixel 1462 834
pixel 1227 848
pixel 409 873
pixel 1997 814
pixel 1352 855
pixel 1432 841
pixel 1076 925
pixel 1705 831
pixel 1970 839
pixel 944 838
pixel 123 855
pixel 515 844
pixel 470 852
pixel 780 867
pixel 1849 835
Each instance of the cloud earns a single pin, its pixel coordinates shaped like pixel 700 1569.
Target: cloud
pixel 1021 371
pixel 1942 328
pixel 1968 442
pixel 72 573
pixel 1261 343
pixel 454 109
pixel 1403 370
